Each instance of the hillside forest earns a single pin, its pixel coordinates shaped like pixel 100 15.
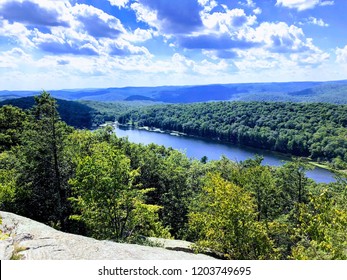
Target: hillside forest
pixel 314 130
pixel 97 184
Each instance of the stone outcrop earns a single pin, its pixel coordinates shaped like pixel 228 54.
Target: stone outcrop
pixel 23 238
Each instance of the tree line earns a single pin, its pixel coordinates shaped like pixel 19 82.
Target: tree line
pixel 99 185
pixel 316 130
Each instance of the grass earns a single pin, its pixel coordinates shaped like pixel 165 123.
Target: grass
pixel 16 252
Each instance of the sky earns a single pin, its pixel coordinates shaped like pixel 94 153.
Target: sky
pixel 66 44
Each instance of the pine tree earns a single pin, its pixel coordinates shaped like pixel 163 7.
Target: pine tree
pixel 42 180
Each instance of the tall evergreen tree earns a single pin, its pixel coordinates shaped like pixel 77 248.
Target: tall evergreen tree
pixel 43 174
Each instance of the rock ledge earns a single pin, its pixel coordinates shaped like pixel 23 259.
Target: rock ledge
pixel 30 240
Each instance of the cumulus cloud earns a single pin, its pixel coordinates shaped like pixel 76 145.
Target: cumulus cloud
pixel 281 38
pixel 171 17
pixel 119 3
pixel 13 57
pixel 208 5
pixel 139 35
pixel 257 11
pixel 80 30
pixel 32 13
pixel 18 33
pixel 122 48
pixel 228 20
pixel 97 23
pixel 223 30
pixel 302 5
pixel 57 47
pixel 341 55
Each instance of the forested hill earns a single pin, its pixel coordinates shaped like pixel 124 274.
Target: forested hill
pixel 316 130
pixel 82 114
pixel 73 113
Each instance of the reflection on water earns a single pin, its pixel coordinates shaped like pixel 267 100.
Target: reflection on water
pixel 197 148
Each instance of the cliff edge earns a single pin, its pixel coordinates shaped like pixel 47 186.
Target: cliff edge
pixel 23 238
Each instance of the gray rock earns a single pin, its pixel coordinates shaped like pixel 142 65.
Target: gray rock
pixel 35 241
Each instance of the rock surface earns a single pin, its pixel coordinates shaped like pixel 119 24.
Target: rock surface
pixel 29 240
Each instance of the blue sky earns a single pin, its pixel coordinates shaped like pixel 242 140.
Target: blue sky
pixel 61 44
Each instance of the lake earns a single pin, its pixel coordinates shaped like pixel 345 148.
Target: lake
pixel 195 147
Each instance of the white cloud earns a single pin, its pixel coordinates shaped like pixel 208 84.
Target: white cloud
pixel 341 55
pixel 280 38
pixel 119 3
pixel 207 68
pixel 96 22
pixel 144 14
pixel 249 3
pixel 18 33
pixel 302 5
pixel 228 21
pixel 13 58
pixel 87 31
pixel 139 35
pixel 326 3
pixel 257 11
pixel 208 5
pixel 316 21
pixel 36 12
pixel 282 47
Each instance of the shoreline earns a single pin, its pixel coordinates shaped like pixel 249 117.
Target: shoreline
pixel 308 160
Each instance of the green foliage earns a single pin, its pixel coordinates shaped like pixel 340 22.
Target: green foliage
pixel 72 112
pixel 314 130
pixel 321 229
pixel 109 203
pixel 225 221
pixel 166 172
pixel 110 111
pixel 292 185
pixel 41 170
pixel 12 120
pixel 7 180
pixel 125 191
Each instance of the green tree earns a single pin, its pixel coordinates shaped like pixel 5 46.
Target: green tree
pixel 106 199
pixel 42 188
pixel 12 120
pixel 260 182
pixel 224 220
pixel 293 184
pixel 7 181
pixel 321 229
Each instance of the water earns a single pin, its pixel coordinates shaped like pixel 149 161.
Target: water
pixel 197 148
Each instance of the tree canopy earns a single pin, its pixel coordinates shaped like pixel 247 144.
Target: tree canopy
pixel 97 184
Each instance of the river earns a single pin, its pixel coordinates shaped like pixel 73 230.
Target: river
pixel 195 147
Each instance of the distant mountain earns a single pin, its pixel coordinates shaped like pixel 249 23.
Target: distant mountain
pixel 8 96
pixel 331 92
pixel 139 97
pixel 83 114
pixel 71 112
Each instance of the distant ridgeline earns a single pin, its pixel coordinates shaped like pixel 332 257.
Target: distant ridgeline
pixel 314 130
pixel 81 114
pixel 73 113
pixel 328 92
